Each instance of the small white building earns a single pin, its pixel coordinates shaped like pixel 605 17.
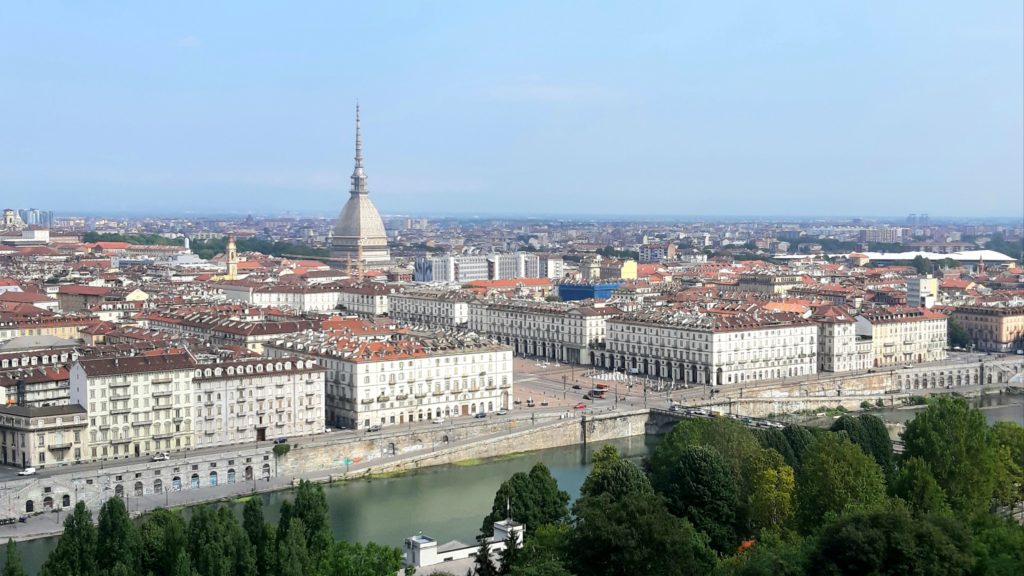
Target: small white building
pixel 423 551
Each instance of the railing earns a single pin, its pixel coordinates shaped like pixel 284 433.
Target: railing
pixel 162 393
pixel 59 446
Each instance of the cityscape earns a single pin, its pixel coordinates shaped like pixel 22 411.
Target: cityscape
pixel 479 383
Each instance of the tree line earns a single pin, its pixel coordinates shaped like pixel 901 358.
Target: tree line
pixel 207 249
pixel 212 542
pixel 718 498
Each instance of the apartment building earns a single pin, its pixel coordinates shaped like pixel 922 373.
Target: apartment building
pixel 41 436
pixel 562 331
pixel 839 348
pixel 408 378
pixel 903 335
pixel 257 399
pixel 993 328
pixel 441 308
pixel 136 405
pixel 703 347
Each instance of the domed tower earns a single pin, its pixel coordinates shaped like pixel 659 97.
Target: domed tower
pixel 359 232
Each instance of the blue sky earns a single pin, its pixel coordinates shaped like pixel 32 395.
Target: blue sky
pixel 682 108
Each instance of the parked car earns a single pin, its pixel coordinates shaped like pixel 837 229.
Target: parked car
pixel 580 406
pixel 502 412
pixel 481 415
pixel 438 420
pixel 374 428
pixel 161 456
pixel 576 387
pixel 280 440
pixel 27 471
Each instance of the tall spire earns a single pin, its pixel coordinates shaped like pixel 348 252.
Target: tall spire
pixel 359 141
pixel 358 175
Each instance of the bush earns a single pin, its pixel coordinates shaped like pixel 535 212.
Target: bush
pixel 281 449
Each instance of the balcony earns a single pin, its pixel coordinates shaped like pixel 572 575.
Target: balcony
pixel 209 432
pixel 163 436
pixel 241 428
pixel 162 393
pixel 366 401
pixel 279 395
pixel 177 420
pixel 208 403
pixel 420 396
pixel 161 381
pixel 209 417
pixel 145 422
pixel 383 398
pixel 104 426
pixel 121 441
pixel 116 397
pixel 402 397
pixel 162 407
pixel 240 400
pixel 120 410
pixel 439 393
pixel 120 384
pixel 61 446
pixel 505 386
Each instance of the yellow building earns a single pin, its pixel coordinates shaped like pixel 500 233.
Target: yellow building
pixel 993 328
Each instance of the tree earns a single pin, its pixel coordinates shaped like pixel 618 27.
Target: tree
pixel 117 540
pixel 952 438
pixel 800 440
pixel 998 546
pixel 546 553
pixel 311 507
pixel 771 555
pixel 701 489
pixel 12 561
pixel 771 505
pixel 1008 439
pixel 915 485
pixel 922 264
pixel 256 530
pixel 614 475
pixel 956 336
pixel 75 554
pixel 774 439
pixel 892 542
pixel 294 559
pixel 635 535
pixel 534 499
pixel 868 432
pixel 483 564
pixel 162 535
pixel 351 559
pixel 740 452
pixel 182 566
pixel 836 477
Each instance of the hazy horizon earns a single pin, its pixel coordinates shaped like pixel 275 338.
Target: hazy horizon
pixel 873 109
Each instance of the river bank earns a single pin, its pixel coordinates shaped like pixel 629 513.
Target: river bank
pixel 447 502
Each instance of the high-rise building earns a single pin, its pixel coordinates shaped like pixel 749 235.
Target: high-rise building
pixel 358 233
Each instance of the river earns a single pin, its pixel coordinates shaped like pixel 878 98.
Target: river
pixel 995 407
pixel 444 502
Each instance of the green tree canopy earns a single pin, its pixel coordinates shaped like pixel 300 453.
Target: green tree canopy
pixel 75 554
pixel 836 477
pixel 12 560
pixel 117 540
pixel 635 535
pixel 534 499
pixel 868 432
pixel 162 537
pixel 353 559
pixel 311 507
pixel 915 485
pixel 893 543
pixel 701 489
pixel 952 438
pixel 772 505
pixel 614 475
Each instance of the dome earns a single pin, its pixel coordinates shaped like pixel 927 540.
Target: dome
pixel 360 219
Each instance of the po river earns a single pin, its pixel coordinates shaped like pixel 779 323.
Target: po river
pixel 444 502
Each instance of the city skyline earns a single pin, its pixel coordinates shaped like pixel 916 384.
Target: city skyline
pixel 472 110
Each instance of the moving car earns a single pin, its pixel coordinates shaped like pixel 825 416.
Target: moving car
pixel 27 471
pixel 438 420
pixel 576 387
pixel 481 415
pixel 280 440
pixel 580 406
pixel 374 428
pixel 502 412
pixel 161 456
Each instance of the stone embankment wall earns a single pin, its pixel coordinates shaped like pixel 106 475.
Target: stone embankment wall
pixel 313 462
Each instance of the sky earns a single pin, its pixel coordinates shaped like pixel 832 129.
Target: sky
pixel 550 107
